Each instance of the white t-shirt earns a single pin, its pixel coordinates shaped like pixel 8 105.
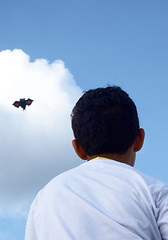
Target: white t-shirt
pixel 100 200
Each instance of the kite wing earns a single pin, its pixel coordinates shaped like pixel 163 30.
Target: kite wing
pixel 17 104
pixel 29 101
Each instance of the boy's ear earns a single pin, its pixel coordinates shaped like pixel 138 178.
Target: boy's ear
pixel 78 149
pixel 139 140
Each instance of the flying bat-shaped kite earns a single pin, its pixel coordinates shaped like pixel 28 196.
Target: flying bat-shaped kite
pixel 23 103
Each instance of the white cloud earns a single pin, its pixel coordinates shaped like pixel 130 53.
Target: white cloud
pixel 35 144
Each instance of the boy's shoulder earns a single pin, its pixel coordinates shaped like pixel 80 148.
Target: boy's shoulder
pixel 106 169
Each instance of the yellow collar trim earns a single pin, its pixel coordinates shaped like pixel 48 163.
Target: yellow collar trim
pixel 101 158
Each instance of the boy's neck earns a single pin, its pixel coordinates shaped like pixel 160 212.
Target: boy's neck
pixel 128 157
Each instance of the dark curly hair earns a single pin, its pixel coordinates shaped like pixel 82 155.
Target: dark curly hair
pixel 105 120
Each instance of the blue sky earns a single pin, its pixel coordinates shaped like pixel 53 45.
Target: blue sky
pixel 117 42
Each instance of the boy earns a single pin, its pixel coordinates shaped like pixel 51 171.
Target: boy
pixel 104 198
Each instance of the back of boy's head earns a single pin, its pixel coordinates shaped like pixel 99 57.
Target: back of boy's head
pixel 105 120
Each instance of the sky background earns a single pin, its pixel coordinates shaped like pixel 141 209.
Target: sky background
pixel 52 51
